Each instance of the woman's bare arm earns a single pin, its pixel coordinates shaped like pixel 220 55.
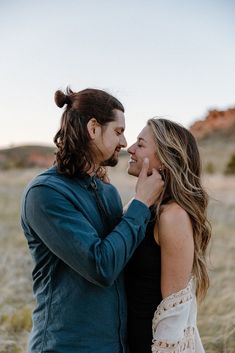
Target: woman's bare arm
pixel 175 237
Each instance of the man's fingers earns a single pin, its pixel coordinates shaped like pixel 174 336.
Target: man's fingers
pixel 144 169
pixel 156 172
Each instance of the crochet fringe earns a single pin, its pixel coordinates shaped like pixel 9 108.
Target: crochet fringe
pixel 187 342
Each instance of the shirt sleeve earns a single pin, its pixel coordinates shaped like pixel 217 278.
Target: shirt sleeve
pixel 68 234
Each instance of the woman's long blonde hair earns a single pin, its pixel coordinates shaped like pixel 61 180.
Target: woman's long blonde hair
pixel 177 150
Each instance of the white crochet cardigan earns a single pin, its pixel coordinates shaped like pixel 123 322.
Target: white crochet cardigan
pixel 174 323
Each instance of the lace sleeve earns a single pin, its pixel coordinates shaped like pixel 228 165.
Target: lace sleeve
pixel 174 323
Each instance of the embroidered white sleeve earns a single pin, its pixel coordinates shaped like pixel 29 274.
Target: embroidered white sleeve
pixel 174 323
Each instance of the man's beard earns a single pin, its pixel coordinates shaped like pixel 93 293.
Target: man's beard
pixel 110 162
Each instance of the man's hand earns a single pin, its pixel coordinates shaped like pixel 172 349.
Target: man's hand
pixel 148 188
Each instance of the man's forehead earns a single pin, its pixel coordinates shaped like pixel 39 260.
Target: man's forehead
pixel 119 122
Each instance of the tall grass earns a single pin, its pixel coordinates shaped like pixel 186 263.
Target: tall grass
pixel 15 266
pixel 216 317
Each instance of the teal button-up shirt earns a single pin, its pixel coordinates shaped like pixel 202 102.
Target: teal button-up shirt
pixel 80 242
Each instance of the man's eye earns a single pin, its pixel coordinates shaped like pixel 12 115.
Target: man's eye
pixel 140 145
pixel 118 133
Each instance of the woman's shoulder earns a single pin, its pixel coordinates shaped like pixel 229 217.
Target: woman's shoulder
pixel 174 222
pixel 173 212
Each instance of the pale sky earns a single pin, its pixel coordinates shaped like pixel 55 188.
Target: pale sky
pixel 160 58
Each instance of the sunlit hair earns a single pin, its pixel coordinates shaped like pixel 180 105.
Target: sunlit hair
pixel 177 150
pixel 75 153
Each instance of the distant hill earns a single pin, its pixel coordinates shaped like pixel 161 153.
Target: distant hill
pixel 215 135
pixel 27 157
pixel 216 138
pixel 215 122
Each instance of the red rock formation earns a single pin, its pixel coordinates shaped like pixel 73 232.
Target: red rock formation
pixel 26 157
pixel 215 120
pixel 40 160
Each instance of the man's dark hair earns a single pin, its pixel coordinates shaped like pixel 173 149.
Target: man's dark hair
pixel 74 154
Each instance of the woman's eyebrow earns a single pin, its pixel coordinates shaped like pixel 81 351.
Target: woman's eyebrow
pixel 141 139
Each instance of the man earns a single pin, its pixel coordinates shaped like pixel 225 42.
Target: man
pixel 78 237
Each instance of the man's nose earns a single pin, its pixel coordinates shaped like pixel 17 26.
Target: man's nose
pixel 123 142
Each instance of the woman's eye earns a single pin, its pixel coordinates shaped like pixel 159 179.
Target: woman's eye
pixel 140 145
pixel 118 133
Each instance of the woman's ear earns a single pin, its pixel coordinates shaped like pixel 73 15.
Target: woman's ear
pixel 93 128
pixel 162 171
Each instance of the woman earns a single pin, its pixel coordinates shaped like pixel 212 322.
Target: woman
pixel 168 273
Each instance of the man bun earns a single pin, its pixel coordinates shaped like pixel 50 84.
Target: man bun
pixel 61 99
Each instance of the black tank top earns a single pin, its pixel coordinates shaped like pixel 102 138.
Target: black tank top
pixel 142 276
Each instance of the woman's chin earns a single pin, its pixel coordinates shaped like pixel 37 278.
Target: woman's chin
pixel 132 171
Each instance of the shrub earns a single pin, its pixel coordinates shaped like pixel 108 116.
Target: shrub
pixel 210 168
pixel 19 321
pixel 230 168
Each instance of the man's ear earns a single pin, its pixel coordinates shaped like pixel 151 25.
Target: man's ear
pixel 93 128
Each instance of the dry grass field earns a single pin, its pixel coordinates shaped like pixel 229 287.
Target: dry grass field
pixel 216 316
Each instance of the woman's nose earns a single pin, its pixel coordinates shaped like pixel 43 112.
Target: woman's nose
pixel 131 149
